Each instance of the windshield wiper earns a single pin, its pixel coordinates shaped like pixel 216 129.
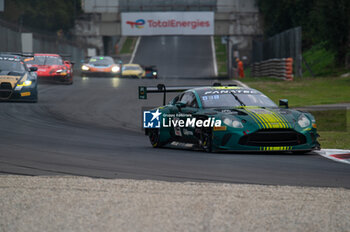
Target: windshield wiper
pixel 237 99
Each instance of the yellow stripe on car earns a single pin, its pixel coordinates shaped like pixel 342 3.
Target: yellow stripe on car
pixel 257 120
pixel 278 148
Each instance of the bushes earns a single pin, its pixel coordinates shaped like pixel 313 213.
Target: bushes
pixel 322 21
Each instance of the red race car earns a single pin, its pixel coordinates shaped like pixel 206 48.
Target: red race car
pixel 52 67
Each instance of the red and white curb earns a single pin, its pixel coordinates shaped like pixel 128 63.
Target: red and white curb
pixel 338 155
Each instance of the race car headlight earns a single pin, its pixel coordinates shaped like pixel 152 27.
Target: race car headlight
pixel 232 122
pixel 303 121
pixel 59 71
pixel 85 68
pixel 154 73
pixel 115 69
pixel 25 83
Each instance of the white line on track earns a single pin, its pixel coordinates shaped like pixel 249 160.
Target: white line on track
pixel 214 56
pixel 135 49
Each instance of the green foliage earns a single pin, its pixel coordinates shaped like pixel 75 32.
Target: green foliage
pixel 221 56
pixel 128 45
pixel 50 15
pixel 321 61
pixel 321 21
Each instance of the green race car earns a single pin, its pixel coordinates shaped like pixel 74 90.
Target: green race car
pixel 228 118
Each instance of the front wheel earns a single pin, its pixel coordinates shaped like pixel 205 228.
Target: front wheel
pixel 206 140
pixel 154 138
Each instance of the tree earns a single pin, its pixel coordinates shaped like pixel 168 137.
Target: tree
pixel 325 21
pixel 50 15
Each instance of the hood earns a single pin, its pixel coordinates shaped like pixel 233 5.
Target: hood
pixel 132 72
pixel 265 118
pixel 13 78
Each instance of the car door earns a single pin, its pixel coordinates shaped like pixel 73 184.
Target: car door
pixel 190 107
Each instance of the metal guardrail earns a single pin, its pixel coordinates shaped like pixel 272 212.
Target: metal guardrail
pixel 280 68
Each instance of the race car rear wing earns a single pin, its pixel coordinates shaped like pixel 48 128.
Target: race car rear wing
pixel 160 88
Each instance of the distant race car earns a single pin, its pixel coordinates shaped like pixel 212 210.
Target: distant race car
pixel 17 81
pixel 228 118
pixel 100 66
pixel 151 71
pixel 52 67
pixel 133 70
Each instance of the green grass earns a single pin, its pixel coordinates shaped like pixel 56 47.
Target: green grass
pixel 314 91
pixel 304 91
pixel 335 138
pixel 331 120
pixel 128 45
pixel 221 56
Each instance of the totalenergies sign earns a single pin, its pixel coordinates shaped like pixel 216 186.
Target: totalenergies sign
pixel 167 23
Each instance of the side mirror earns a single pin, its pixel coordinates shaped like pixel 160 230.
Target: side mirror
pixel 180 104
pixel 67 62
pixel 33 69
pixel 284 102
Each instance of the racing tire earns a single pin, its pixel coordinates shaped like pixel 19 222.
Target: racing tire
pixel 206 140
pixel 154 138
pixel 300 152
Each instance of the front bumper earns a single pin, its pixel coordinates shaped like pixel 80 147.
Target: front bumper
pixel 265 140
pixel 27 93
pixel 59 78
pixel 99 74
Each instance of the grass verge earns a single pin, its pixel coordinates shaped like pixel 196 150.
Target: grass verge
pixel 128 45
pixel 221 56
pixel 333 127
pixel 305 91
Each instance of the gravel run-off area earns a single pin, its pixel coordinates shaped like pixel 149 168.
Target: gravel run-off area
pixel 87 204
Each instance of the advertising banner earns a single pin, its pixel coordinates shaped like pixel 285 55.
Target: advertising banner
pixel 167 23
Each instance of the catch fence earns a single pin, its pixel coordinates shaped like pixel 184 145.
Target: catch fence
pixel 287 44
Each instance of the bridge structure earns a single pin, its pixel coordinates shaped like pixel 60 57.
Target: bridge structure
pixel 237 21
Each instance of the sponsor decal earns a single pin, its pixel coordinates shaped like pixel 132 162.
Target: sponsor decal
pixel 152 119
pixel 167 23
pixel 226 91
pixel 175 23
pixel 137 24
pixel 25 94
pixel 191 122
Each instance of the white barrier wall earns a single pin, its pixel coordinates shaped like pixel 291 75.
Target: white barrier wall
pixel 167 23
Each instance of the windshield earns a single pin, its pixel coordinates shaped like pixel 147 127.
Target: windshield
pixel 101 61
pixel 131 68
pixel 53 60
pixel 38 60
pixel 45 60
pixel 13 65
pixel 251 98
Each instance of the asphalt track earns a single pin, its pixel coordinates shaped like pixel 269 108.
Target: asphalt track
pixel 177 56
pixel 92 128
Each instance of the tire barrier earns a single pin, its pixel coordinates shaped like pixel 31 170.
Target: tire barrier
pixel 280 68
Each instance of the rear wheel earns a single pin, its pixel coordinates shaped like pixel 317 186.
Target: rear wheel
pixel 154 138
